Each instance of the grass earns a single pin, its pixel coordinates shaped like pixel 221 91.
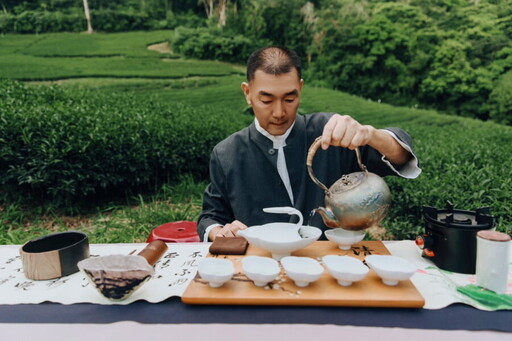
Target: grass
pixel 129 223
pixel 463 160
pixel 132 44
pixel 26 67
pixel 120 55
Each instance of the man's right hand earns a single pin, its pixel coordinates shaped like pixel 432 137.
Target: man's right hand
pixel 228 230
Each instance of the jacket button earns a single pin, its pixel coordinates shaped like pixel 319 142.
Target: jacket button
pixel 271 151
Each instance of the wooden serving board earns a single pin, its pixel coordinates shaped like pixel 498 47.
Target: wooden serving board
pixel 370 292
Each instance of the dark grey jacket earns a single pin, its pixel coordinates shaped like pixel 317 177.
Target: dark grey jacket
pixel 244 177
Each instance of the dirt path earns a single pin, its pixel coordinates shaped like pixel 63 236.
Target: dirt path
pixel 160 47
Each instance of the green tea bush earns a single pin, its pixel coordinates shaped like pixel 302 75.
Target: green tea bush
pixel 463 161
pixel 68 145
pixel 62 145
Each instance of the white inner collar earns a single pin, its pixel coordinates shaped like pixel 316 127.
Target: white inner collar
pixel 278 141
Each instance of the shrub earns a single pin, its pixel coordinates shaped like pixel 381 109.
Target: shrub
pixel 104 20
pixel 69 145
pixel 213 44
pixel 500 100
pixel 187 19
pixel 41 22
pixel 117 21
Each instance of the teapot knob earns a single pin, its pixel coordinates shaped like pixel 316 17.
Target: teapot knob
pixel 309 163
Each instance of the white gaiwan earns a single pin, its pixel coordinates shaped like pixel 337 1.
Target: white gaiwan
pixel 344 238
pixel 281 239
pixel 390 269
pixel 345 269
pixel 216 271
pixel 261 270
pixel 302 270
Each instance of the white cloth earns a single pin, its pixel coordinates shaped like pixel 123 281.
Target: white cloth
pixel 410 170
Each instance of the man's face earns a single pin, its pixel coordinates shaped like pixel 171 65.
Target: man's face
pixel 274 99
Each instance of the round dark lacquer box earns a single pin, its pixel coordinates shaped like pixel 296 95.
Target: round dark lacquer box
pixel 55 255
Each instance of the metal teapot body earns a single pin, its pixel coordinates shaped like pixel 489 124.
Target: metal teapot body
pixel 356 201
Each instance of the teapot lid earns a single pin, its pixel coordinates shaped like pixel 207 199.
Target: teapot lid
pixel 348 182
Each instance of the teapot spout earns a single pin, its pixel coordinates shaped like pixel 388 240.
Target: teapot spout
pixel 328 217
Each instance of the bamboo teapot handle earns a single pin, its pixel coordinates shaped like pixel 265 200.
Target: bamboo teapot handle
pixel 309 163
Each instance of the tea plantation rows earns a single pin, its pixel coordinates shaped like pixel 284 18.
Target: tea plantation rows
pixel 114 137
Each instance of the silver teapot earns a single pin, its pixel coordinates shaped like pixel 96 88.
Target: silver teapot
pixel 356 201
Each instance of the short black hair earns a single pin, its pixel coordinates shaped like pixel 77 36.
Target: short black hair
pixel 274 60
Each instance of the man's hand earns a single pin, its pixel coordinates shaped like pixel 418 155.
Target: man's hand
pixel 344 131
pixel 228 230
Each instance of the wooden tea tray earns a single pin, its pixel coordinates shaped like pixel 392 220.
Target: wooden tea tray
pixel 370 292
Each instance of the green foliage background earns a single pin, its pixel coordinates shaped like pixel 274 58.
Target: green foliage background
pixel 86 139
pixel 449 55
pixel 106 131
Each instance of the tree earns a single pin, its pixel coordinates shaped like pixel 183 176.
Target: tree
pixel 222 8
pixel 368 52
pixel 452 84
pixel 218 12
pixel 88 17
pixel 500 100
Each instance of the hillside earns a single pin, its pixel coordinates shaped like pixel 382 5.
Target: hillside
pixel 463 160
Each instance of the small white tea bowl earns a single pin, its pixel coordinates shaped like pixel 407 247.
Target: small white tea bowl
pixel 261 270
pixel 390 269
pixel 302 270
pixel 344 238
pixel 216 271
pixel 345 269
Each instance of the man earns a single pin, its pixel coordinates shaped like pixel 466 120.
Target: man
pixel 264 165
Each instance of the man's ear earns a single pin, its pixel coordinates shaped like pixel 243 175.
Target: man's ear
pixel 301 84
pixel 247 91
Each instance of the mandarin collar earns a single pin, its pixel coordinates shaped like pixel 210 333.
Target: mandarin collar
pixel 297 128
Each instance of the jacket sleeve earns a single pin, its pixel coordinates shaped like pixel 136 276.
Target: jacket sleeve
pixel 378 164
pixel 216 206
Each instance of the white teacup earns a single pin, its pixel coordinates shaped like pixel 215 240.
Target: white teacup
pixel 261 270
pixel 345 269
pixel 216 271
pixel 302 270
pixel 344 238
pixel 390 269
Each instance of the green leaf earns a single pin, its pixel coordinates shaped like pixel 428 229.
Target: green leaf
pixel 487 298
